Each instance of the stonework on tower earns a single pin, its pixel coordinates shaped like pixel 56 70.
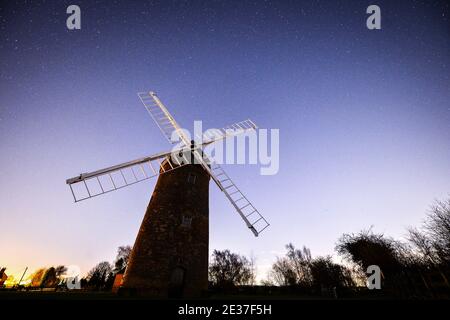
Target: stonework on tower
pixel 170 254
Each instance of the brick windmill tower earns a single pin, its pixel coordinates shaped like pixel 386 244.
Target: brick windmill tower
pixel 170 254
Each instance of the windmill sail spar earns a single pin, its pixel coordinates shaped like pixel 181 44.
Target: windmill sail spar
pixel 167 124
pixel 251 216
pixel 89 185
pixel 162 116
pixel 235 129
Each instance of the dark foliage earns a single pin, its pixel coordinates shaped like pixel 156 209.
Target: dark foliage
pixel 121 262
pixel 100 277
pixel 304 274
pixel 229 269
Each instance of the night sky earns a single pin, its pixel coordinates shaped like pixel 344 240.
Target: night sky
pixel 364 117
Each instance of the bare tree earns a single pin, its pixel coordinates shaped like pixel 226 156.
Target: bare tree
pixel 282 273
pixel 437 227
pixel 423 245
pixel 49 279
pixel 298 269
pixel 100 277
pixel 60 271
pixel 121 262
pixel 300 260
pixel 432 242
pixel 253 270
pixel 229 269
pixel 326 273
pixel 293 269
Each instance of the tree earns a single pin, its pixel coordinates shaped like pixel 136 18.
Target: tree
pixel 122 258
pixel 100 277
pixel 282 273
pixel 437 228
pixel 293 269
pixel 36 277
pixel 49 279
pixel 367 248
pixel 10 281
pixel 253 270
pixel 432 242
pixel 230 269
pixel 60 271
pixel 298 269
pixel 326 273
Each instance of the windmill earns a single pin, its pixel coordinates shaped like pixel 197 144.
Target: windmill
pixel 170 254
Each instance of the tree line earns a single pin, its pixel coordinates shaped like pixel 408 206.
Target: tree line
pixel 417 267
pixel 99 278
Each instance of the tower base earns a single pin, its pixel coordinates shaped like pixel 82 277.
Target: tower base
pixel 170 255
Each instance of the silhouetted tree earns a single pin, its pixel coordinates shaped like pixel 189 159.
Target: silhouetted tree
pixel 293 269
pixel 367 248
pixel 327 274
pixel 438 228
pixel 49 279
pixel 282 273
pixel 121 262
pixel 36 277
pixel 230 269
pixel 253 270
pixel 99 278
pixel 60 271
pixel 298 270
pixel 431 244
pixel 11 281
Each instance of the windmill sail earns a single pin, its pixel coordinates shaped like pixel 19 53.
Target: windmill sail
pixel 89 185
pixel 235 129
pixel 251 216
pixel 162 116
pixel 167 124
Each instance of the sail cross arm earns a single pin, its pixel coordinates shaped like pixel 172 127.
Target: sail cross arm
pixel 89 185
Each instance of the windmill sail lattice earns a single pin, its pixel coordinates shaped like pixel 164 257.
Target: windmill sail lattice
pixel 161 116
pixel 235 129
pixel 88 185
pixel 251 216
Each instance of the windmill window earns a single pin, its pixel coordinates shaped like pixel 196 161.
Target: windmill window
pixel 186 221
pixel 191 178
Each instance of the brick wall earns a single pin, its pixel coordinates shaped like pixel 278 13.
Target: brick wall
pixel 170 255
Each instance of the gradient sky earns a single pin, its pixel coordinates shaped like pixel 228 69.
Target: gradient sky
pixel 364 117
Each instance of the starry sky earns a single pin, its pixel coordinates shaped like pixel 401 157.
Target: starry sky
pixel 364 117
